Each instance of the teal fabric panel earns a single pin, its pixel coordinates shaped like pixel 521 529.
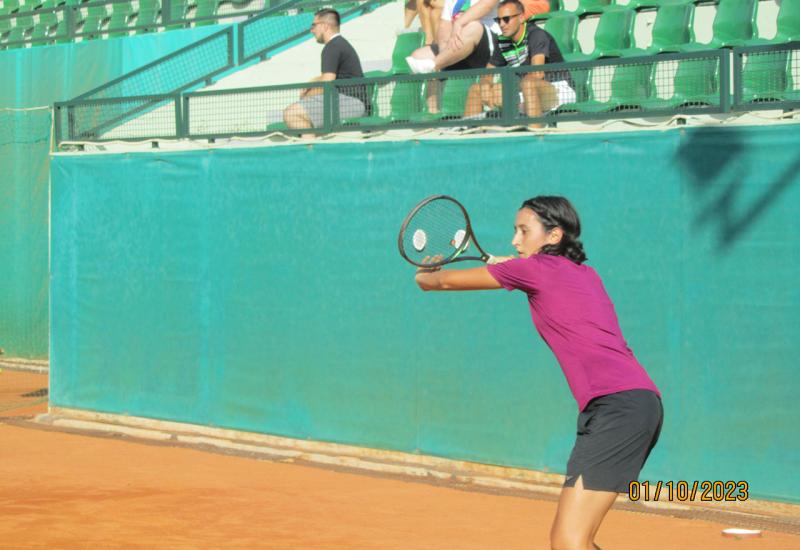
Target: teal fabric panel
pixel 37 77
pixel 261 289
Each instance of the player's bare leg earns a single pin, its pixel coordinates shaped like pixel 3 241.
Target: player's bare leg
pixel 580 513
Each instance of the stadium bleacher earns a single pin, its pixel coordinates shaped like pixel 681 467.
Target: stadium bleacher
pixel 588 32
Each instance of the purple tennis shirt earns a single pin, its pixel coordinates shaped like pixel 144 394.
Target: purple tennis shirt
pixel 575 317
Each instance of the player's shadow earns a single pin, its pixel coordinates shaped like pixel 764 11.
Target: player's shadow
pixel 717 178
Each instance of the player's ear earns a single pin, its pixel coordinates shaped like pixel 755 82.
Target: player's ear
pixel 555 235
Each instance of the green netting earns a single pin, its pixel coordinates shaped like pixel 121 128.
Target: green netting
pixel 24 146
pixel 36 77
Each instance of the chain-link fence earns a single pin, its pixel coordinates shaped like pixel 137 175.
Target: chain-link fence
pixel 767 77
pixel 136 117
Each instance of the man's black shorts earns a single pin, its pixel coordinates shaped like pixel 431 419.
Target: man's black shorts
pixel 477 59
pixel 616 433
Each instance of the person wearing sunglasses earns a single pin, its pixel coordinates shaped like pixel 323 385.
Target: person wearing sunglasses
pixel 522 42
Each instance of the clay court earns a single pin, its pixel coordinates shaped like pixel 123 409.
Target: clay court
pixel 73 490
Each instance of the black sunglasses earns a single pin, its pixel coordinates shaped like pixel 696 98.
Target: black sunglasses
pixel 505 19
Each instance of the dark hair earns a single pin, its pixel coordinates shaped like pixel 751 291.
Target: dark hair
pixel 516 3
pixel 559 212
pixel 329 16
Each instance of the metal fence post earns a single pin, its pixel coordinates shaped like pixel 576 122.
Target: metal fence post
pixel 725 81
pixel 166 12
pixel 510 84
pixel 70 121
pixel 737 78
pixel 332 101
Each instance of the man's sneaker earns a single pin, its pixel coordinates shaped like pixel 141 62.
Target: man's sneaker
pixel 419 66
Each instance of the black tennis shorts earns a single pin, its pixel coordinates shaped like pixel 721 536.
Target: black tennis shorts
pixel 616 433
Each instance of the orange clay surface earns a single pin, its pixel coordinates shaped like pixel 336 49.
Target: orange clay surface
pixel 62 490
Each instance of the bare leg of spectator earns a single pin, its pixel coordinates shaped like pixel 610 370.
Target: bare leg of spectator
pixel 425 22
pixel 470 37
pixel 540 96
pixel 474 105
pixel 410 14
pixel 433 90
pixel 296 118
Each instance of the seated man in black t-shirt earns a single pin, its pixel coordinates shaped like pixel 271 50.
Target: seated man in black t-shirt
pixel 339 61
pixel 522 43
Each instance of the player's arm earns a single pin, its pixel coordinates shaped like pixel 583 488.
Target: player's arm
pixel 476 12
pixel 537 59
pixel 324 77
pixel 477 278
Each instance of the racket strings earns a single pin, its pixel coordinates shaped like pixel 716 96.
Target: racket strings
pixel 439 228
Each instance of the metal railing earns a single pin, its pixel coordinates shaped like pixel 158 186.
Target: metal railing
pixel 606 89
pixel 261 35
pixel 181 70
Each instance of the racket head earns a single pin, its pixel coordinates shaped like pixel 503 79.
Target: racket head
pixel 438 226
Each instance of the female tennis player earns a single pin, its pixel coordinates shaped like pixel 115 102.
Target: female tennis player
pixel 620 407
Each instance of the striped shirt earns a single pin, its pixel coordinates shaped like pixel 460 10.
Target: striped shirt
pixel 534 41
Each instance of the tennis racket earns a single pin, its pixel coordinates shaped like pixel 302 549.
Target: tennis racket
pixel 438 226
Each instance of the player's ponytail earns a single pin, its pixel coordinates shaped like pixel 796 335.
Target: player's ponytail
pixel 558 212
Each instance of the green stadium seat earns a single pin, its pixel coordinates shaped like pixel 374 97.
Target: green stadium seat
pixel 120 22
pixel 630 86
pixel 695 83
pixel 644 4
pixel 93 24
pixel 178 12
pixel 734 24
pixel 45 28
pixel 672 29
pixel 30 5
pixel 766 76
pixel 406 100
pixel 404 44
pixel 614 32
pixel 5 27
pixel 206 8
pixel 453 104
pixel 587 7
pixel 9 6
pixel 562 26
pixel 277 127
pixel 556 6
pixel 788 24
pixel 21 29
pixel 147 17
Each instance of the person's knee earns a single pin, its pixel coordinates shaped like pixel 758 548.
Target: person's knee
pixel 529 85
pixel 294 113
pixel 563 539
pixel 473 32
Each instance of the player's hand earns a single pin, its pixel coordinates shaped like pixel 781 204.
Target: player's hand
pixel 430 260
